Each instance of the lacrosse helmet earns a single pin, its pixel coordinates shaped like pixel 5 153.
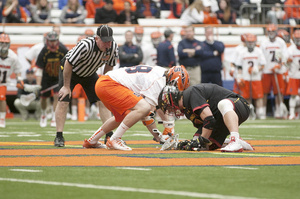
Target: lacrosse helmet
pixel 156 37
pixel 178 76
pixel 297 38
pixel 4 43
pixel 139 32
pixel 168 100
pixel 283 34
pixel 243 37
pixel 52 41
pixel 251 42
pixel 272 31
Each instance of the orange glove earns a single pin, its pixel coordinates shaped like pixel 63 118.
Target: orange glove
pixel 231 72
pixel 169 127
pixel 274 69
pixel 20 84
pixel 241 83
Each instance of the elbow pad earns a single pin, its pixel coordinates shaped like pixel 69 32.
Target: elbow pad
pixel 39 72
pixel 149 119
pixel 209 122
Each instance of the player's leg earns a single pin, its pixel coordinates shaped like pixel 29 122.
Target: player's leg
pixel 266 80
pixel 55 101
pixel 22 109
pixel 2 106
pixel 257 91
pixel 43 101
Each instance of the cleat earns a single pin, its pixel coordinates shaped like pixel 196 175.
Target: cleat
pixel 53 123
pixel 233 146
pixel 43 121
pixel 86 145
pixel 59 142
pixel 246 145
pixel 117 144
pixel 2 123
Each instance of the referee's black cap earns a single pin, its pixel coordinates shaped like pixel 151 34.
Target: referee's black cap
pixel 105 33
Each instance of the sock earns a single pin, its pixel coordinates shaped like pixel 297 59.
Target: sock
pixel 236 135
pixel 120 131
pixel 43 112
pixel 96 136
pixel 74 110
pixel 59 134
pixel 87 110
pixel 264 111
pixel 53 118
pixel 2 115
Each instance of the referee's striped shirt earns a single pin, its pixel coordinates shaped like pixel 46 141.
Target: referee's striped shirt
pixel 86 57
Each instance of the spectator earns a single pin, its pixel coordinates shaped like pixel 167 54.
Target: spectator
pixel 165 51
pixel 63 3
pixel 91 6
pixel 14 13
pixel 193 14
pixel 73 12
pixel 127 16
pixel 106 14
pixel 150 51
pixel 209 16
pixel 292 11
pixel 138 34
pixel 211 60
pixel 226 15
pixel 119 5
pixel 147 9
pixel 25 4
pixel 165 4
pixel 274 13
pixel 182 33
pixel 41 13
pixel 189 55
pixel 130 54
pixel 177 8
pixel 28 100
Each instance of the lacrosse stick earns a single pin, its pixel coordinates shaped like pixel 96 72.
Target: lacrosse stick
pixel 171 143
pixel 282 108
pixel 27 99
pixel 50 88
pixel 252 115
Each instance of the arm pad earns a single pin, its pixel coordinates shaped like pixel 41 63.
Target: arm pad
pixel 149 119
pixel 39 72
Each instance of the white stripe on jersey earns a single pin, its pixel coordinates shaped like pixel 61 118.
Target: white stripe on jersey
pixel 147 81
pixel 294 54
pixel 248 59
pixel 86 57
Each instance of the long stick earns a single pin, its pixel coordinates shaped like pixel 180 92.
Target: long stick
pixel 50 88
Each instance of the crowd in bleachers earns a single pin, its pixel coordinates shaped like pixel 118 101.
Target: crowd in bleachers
pixel 129 11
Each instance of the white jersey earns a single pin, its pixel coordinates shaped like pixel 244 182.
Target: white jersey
pixel 147 81
pixel 149 55
pixel 294 54
pixel 248 59
pixel 268 48
pixel 232 57
pixel 34 51
pixel 8 66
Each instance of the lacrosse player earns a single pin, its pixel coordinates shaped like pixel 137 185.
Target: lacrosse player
pixel 9 63
pixel 150 51
pixel 294 76
pixel 215 111
pixel 28 100
pixel 131 94
pixel 251 61
pixel 48 63
pixel 272 75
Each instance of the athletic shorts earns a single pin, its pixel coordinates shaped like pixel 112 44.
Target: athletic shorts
pixel 257 90
pixel 236 88
pixel 116 97
pixel 268 81
pixel 220 132
pixel 3 93
pixel 78 92
pixel 48 82
pixel 293 87
pixel 87 83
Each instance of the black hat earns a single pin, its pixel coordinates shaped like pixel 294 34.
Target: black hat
pixel 105 33
pixel 30 70
pixel 52 36
pixel 168 32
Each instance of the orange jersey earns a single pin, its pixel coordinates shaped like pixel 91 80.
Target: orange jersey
pixel 91 7
pixel 209 20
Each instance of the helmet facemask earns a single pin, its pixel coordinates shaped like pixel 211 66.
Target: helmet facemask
pixel 272 35
pixel 4 47
pixel 168 101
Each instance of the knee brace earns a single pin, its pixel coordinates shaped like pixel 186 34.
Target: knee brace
pixel 149 119
pixel 224 106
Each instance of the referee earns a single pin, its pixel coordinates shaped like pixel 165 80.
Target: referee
pixel 79 66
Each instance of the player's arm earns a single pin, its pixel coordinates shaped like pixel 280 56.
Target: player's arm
pixel 208 122
pixel 107 68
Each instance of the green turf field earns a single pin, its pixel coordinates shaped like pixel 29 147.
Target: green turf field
pixel 70 182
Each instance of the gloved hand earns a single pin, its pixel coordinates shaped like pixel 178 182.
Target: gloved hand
pixel 231 72
pixel 169 127
pixel 240 81
pixel 276 68
pixel 20 84
pixel 253 70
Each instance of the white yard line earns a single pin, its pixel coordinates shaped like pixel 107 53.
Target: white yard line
pixel 249 168
pixel 134 168
pixel 127 189
pixel 27 170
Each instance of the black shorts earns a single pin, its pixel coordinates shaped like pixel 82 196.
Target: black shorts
pixel 87 83
pixel 48 82
pixel 220 132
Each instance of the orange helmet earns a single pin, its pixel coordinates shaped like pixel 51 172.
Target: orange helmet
pixel 179 76
pixel 4 43
pixel 244 36
pixel 251 42
pixel 81 37
pixel 283 34
pixel 139 30
pixel 271 27
pixel 4 38
pixel 296 36
pixel 156 34
pixel 89 32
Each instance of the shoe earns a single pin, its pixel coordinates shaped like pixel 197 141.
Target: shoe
pixel 262 117
pixel 43 121
pixel 117 144
pixel 86 144
pixel 59 141
pixel 246 145
pixel 233 146
pixel 108 136
pixel 2 123
pixel 74 117
pixel 53 123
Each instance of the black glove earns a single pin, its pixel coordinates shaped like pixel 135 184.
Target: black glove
pixel 200 143
pixel 181 145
